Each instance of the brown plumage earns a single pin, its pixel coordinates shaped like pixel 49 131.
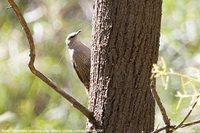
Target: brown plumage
pixel 80 56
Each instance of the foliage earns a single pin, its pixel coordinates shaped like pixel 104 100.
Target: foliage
pixel 188 90
pixel 179 61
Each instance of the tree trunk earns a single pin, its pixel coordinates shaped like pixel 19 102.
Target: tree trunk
pixel 125 46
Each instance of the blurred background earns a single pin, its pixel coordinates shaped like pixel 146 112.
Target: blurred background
pixel 28 103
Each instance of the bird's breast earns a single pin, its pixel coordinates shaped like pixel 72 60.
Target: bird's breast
pixel 71 53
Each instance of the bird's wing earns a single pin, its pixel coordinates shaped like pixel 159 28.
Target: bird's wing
pixel 81 63
pixel 77 71
pixel 86 83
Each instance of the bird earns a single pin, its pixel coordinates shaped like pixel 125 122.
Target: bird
pixel 80 57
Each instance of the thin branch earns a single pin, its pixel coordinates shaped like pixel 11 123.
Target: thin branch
pixel 190 123
pixel 158 101
pixel 163 128
pixel 188 114
pixel 48 81
pixel 181 75
pixel 160 129
pixel 173 127
pixel 181 125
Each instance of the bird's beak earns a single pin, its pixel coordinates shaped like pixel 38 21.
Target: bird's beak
pixel 79 31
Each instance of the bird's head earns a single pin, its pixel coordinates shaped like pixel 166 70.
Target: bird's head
pixel 72 37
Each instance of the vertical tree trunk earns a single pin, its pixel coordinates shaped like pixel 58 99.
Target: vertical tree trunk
pixel 125 45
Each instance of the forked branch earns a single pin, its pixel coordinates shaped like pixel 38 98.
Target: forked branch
pixel 36 72
pixel 168 127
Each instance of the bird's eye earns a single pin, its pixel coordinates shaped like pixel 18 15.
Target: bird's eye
pixel 71 37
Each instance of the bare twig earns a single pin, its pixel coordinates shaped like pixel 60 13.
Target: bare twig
pixel 162 128
pixel 190 123
pixel 173 127
pixel 48 81
pixel 181 125
pixel 158 101
pixel 188 114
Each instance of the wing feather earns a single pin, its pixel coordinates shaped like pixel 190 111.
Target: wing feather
pixel 81 64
